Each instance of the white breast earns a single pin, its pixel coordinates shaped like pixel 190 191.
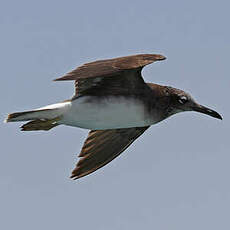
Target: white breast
pixel 106 113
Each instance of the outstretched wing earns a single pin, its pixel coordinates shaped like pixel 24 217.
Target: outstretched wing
pixel 117 73
pixel 102 146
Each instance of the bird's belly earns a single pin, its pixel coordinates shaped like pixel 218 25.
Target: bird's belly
pixel 107 113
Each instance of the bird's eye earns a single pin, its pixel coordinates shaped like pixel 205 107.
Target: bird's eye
pixel 183 99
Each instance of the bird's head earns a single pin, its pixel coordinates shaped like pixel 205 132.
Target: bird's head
pixel 181 101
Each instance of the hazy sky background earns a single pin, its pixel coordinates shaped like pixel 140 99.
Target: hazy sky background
pixel 175 176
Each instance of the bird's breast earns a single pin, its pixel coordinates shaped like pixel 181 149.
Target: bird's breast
pixel 108 112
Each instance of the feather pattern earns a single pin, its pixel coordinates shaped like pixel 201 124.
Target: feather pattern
pixel 118 75
pixel 102 146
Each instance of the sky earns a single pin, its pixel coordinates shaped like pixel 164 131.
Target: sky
pixel 175 176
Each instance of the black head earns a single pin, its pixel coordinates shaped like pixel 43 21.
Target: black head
pixel 182 101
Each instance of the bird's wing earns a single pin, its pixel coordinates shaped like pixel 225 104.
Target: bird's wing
pixel 102 146
pixel 117 72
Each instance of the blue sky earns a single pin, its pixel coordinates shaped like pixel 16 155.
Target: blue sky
pixel 175 176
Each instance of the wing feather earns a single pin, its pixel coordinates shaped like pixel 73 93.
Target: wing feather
pixel 111 67
pixel 117 76
pixel 102 146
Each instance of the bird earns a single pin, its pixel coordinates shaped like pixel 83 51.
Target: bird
pixel 114 102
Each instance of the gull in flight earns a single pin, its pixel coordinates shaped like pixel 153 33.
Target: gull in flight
pixel 114 102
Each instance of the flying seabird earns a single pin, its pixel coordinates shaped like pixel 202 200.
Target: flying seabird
pixel 114 102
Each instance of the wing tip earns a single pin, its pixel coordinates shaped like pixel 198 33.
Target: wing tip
pixel 76 174
pixel 158 57
pixel 73 177
pixel 161 57
pixel 65 78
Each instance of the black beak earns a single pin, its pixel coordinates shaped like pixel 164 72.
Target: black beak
pixel 205 110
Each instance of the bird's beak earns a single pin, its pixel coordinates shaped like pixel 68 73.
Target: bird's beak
pixel 205 110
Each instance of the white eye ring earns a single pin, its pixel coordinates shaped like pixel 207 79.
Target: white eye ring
pixel 183 99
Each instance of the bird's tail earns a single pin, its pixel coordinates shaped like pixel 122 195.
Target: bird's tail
pixel 40 125
pixel 40 119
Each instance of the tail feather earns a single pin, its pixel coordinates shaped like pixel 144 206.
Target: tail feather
pixel 45 113
pixel 23 116
pixel 40 125
pixel 44 118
